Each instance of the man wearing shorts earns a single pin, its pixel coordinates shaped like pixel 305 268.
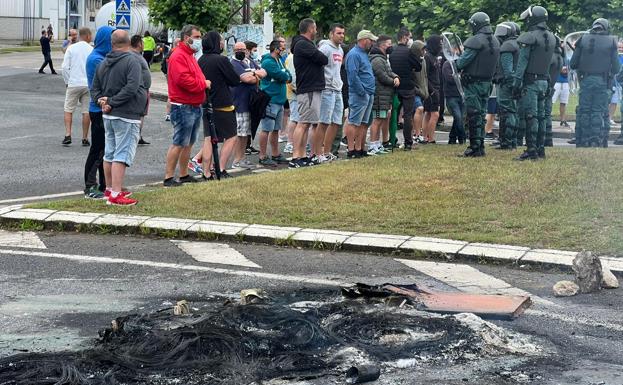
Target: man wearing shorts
pixel 187 92
pixel 310 82
pixel 361 87
pixel 561 92
pixel 75 76
pixel 119 90
pixel 250 75
pixel 219 70
pixel 274 84
pixel 331 103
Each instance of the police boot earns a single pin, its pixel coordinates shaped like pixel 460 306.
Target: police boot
pixel 541 153
pixel 548 142
pixel 482 147
pixel 527 155
pixel 604 142
pixel 619 141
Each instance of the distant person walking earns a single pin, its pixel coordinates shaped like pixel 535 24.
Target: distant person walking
pixel 46 50
pixel 75 77
pixel 149 45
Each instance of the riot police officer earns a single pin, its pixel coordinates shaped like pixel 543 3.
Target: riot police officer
pixel 507 33
pixel 596 61
pixel 478 63
pixel 555 66
pixel 530 82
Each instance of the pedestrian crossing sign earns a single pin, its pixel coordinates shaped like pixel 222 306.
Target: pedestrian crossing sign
pixel 123 21
pixel 122 6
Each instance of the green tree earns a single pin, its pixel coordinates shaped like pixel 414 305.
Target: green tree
pixel 288 13
pixel 206 14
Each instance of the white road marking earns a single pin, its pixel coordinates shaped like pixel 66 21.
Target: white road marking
pixel 177 266
pixel 219 253
pixel 26 239
pixel 468 279
pixel 42 197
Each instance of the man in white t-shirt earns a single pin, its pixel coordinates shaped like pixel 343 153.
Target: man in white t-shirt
pixel 75 77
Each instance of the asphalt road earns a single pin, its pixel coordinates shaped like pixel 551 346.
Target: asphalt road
pixel 32 160
pixel 57 298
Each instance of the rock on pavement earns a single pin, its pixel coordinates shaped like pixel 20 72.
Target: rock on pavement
pixel 566 289
pixel 588 273
pixel 609 280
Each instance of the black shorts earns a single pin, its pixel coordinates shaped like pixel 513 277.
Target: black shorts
pixel 224 123
pixel 431 104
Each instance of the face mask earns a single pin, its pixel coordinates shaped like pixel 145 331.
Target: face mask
pixel 410 43
pixel 254 55
pixel 240 55
pixel 389 50
pixel 196 45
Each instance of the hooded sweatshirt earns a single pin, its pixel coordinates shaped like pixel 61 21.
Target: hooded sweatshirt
pixel 433 67
pixel 103 46
pixel 420 77
pixel 219 70
pixel 119 77
pixel 335 54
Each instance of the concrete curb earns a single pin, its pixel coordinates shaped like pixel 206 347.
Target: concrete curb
pixel 446 249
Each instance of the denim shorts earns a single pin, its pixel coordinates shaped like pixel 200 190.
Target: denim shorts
pixel 294 111
pixel 359 109
pixel 274 118
pixel 186 121
pixel 418 102
pixel 331 107
pixel 120 141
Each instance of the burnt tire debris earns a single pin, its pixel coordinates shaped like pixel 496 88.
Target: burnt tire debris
pixel 283 337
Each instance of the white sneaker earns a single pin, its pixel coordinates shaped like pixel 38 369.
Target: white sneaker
pixel 237 166
pixel 419 139
pixel 330 157
pixel 288 148
pixel 283 139
pixel 246 163
pixel 613 123
pixel 381 151
pixel 322 159
pixel 373 151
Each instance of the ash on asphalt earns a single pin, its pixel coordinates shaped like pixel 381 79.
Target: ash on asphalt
pixel 300 337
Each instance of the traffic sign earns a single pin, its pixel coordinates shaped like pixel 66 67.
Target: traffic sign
pixel 123 21
pixel 123 6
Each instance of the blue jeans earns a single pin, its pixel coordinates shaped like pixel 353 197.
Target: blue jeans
pixel 186 121
pixel 457 108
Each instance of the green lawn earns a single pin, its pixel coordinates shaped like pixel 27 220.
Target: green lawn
pixel 570 201
pixel 154 67
pixel 36 48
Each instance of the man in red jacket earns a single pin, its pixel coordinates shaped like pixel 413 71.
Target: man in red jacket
pixel 187 91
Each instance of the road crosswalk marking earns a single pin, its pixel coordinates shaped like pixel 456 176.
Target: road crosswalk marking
pixel 219 253
pixel 468 279
pixel 25 239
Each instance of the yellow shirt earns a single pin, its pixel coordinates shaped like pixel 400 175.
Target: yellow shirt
pixel 149 44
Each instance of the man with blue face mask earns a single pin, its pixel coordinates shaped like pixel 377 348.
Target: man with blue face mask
pixel 187 92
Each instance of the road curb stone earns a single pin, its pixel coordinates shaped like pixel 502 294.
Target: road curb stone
pixel 447 249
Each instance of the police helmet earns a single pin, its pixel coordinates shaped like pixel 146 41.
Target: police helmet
pixel 478 21
pixel 601 24
pixel 534 15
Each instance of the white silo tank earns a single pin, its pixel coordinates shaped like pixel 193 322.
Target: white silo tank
pixel 139 22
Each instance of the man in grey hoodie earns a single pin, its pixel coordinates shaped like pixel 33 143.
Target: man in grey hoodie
pixel 119 90
pixel 331 103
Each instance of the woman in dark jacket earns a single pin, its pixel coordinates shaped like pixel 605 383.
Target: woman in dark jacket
pixel 386 81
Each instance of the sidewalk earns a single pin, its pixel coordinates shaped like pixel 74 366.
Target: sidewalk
pixel 407 246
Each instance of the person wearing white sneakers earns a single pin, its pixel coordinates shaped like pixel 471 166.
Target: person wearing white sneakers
pixel 119 89
pixel 386 83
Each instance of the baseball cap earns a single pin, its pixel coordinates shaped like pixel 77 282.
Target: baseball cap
pixel 365 34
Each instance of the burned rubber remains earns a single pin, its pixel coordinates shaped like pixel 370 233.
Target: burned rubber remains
pixel 223 342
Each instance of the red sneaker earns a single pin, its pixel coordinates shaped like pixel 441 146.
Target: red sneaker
pixel 126 194
pixel 121 200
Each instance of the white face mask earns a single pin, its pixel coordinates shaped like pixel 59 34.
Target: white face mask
pixel 196 45
pixel 410 43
